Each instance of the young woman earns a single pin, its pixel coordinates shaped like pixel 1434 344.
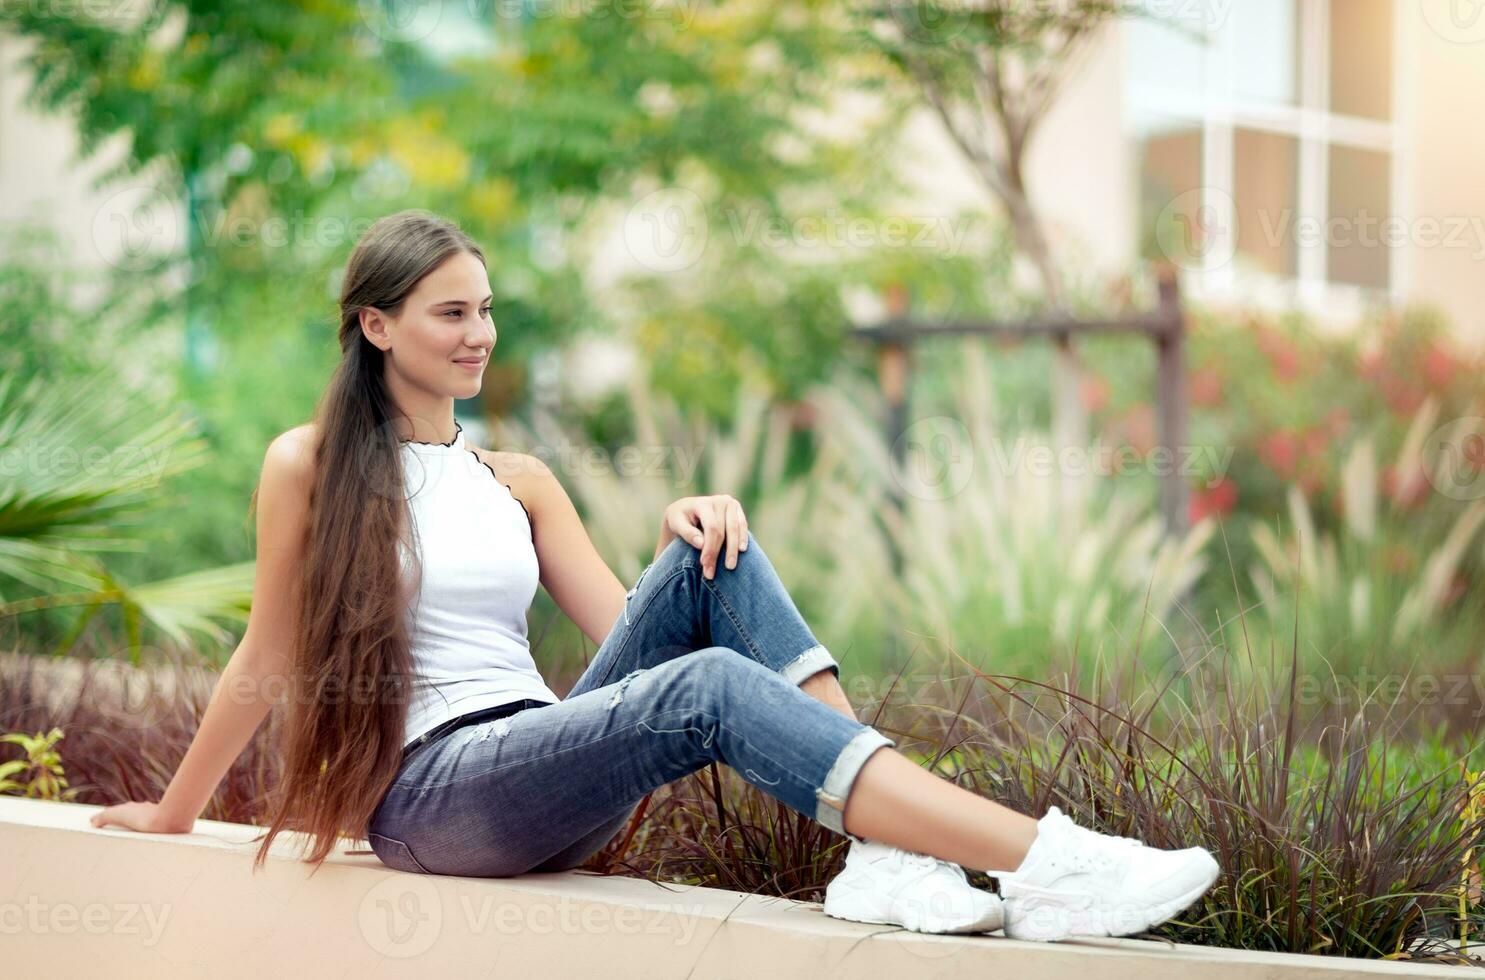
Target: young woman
pixel 396 563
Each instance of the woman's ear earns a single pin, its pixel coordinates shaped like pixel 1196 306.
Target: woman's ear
pixel 374 325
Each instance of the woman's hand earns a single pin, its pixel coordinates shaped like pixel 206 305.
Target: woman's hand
pixel 147 818
pixel 709 523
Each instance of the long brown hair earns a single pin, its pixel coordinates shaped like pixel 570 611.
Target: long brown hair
pixel 352 667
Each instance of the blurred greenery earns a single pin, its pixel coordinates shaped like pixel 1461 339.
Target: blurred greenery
pixel 285 129
pixel 280 131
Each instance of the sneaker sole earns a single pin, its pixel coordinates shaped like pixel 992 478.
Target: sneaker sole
pixel 859 908
pixel 1048 922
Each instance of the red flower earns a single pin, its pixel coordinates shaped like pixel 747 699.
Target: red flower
pixel 1094 391
pixel 1401 397
pixel 1369 364
pixel 1405 490
pixel 1135 428
pixel 1206 387
pixel 1316 439
pixel 1214 501
pixel 1280 451
pixel 1281 353
pixel 1439 366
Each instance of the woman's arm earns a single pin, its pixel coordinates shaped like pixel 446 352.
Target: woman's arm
pixel 258 673
pixel 666 537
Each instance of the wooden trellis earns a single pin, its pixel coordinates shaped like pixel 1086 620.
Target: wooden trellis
pixel 1165 326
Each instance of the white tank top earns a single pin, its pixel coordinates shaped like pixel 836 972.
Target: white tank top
pixel 468 625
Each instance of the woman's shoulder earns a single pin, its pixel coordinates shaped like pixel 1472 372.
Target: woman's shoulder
pixel 513 465
pixel 526 475
pixel 296 446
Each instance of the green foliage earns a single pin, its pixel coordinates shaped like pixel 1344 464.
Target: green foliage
pixel 285 129
pixel 41 769
pixel 84 469
pixel 1352 836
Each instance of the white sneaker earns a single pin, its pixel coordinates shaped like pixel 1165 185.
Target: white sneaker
pixel 885 884
pixel 1076 881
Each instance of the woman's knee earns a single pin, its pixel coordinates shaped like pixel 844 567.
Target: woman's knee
pixel 681 551
pixel 717 675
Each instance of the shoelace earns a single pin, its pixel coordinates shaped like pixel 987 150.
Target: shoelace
pixel 1087 834
pixel 1090 848
pixel 928 862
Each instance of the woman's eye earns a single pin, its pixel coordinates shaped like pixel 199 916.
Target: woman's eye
pixel 454 313
pixel 485 311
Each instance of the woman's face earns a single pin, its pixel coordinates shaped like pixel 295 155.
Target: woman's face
pixel 442 338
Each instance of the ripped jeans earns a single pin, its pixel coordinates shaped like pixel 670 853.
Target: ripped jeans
pixel 694 671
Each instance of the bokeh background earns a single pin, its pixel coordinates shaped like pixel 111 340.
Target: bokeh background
pixel 704 223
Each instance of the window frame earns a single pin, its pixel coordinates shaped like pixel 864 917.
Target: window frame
pixel 1220 113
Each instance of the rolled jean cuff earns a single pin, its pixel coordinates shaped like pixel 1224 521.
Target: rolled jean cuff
pixel 831 797
pixel 807 663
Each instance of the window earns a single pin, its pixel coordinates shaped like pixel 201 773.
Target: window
pixel 1265 143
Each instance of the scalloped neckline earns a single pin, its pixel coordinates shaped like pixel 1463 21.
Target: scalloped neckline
pixel 456 444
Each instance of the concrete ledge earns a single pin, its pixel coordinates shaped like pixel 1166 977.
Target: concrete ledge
pixel 75 900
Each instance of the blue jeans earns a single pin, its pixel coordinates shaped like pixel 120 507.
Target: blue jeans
pixel 694 671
